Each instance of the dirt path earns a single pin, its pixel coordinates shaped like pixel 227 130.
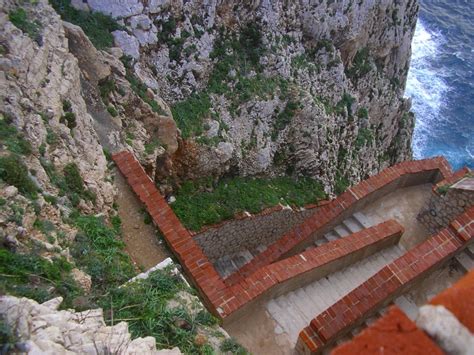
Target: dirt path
pixel 142 243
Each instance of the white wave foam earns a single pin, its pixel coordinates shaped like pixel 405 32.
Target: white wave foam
pixel 425 85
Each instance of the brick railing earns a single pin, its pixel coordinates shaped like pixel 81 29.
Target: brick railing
pixel 395 333
pixel 223 299
pixel 385 285
pixel 328 216
pixel 452 179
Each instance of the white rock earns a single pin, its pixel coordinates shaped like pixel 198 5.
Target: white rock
pixel 117 8
pixel 82 279
pixel 129 44
pixel 10 191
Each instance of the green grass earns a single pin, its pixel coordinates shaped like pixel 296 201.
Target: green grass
pixel 364 136
pixel 19 18
pixel 96 26
pixel 231 345
pixel 29 275
pixel 196 208
pixel 189 114
pixel 14 172
pixel 360 64
pixel 98 250
pixel 14 141
pixel 143 305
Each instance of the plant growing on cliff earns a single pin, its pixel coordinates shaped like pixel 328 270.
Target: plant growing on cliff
pixel 19 18
pixel 196 206
pixel 360 64
pixel 96 26
pixel 13 140
pixel 14 172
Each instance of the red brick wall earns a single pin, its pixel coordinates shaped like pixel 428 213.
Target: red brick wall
pixel 223 299
pixel 386 284
pixel 325 218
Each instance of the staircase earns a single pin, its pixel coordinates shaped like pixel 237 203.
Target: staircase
pixel 294 310
pixel 228 264
pixel 466 258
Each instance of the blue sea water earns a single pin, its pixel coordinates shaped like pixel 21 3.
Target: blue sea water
pixel 441 81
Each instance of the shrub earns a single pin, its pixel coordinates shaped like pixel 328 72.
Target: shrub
pixel 30 275
pixel 14 172
pixel 144 305
pixel 341 183
pixel 73 178
pixel 99 250
pixel 230 345
pixel 113 112
pixel 365 135
pixel 19 18
pixel 12 139
pixel 360 64
pixel 96 26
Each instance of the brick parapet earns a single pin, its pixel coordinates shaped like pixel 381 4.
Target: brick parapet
pixel 402 174
pixel 385 285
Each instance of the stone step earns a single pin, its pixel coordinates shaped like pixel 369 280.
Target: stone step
pixel 331 236
pixel 352 224
pixel 295 309
pixel 467 263
pixel 407 306
pixel 362 219
pixel 341 231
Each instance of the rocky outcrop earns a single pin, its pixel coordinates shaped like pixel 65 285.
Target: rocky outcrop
pixel 43 329
pixel 267 87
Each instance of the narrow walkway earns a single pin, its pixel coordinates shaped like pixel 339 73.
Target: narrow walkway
pixel 141 240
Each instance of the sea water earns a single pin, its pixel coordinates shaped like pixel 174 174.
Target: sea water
pixel 441 81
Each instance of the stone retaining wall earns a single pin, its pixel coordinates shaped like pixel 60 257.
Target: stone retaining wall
pixel 249 233
pixel 404 174
pixel 443 206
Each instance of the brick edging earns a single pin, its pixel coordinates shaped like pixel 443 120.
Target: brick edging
pixel 335 208
pixel 386 284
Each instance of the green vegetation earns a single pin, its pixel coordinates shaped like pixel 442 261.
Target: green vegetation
pixel 19 18
pixel 151 146
pixel 14 172
pixel 30 275
pixel 364 136
pixel 235 58
pixel 69 117
pixel 96 26
pixel 284 118
pixel 113 112
pixel 360 64
pixel 98 250
pixel 345 104
pixel 106 86
pixel 143 304
pixel 189 114
pixel 363 113
pixel 14 141
pixel 231 345
pixel 196 207
pixel 342 183
pixel 442 190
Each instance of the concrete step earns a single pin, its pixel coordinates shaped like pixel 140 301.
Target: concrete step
pixel 352 224
pixel 407 306
pixel 297 308
pixel 341 231
pixel 332 235
pixel 362 219
pixel 465 260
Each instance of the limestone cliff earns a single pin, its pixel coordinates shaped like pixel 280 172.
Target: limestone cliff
pixel 273 86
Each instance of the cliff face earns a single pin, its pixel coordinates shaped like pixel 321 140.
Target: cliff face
pixel 264 87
